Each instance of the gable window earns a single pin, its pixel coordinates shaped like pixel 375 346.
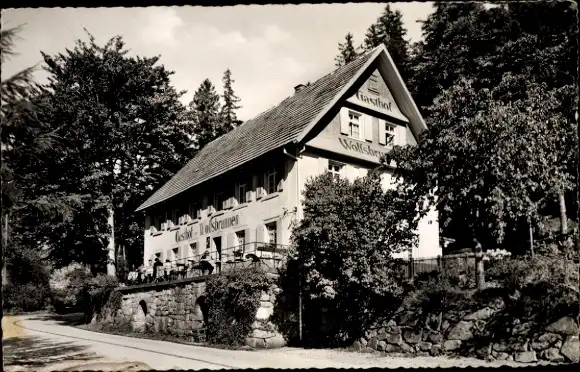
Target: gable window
pixel 334 169
pixel 389 135
pixel 374 83
pixel 271 181
pixel 354 124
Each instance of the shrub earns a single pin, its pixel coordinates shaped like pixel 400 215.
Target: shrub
pixel 24 297
pixel 233 300
pixel 93 292
pixel 65 285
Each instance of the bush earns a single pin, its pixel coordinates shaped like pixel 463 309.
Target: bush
pixel 233 300
pixel 65 286
pixel 93 293
pixel 24 297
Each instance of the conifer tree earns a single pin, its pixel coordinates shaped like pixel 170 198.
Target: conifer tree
pixel 389 30
pixel 205 114
pixel 346 51
pixel 229 119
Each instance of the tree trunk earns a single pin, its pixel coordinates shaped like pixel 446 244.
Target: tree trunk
pixel 111 247
pixel 531 240
pixel 479 268
pixel 563 219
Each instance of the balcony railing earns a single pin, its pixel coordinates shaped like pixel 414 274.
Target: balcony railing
pixel 250 255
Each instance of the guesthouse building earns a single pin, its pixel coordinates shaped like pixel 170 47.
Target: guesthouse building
pixel 241 194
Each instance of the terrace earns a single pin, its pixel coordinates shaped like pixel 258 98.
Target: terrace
pixel 266 257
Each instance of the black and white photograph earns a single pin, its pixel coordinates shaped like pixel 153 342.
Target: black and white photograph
pixel 305 185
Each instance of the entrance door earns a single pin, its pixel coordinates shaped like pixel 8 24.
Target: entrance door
pixel 217 242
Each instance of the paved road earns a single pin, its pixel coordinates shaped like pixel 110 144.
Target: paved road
pixel 47 344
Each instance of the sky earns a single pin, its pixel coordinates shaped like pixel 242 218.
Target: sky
pixel 269 49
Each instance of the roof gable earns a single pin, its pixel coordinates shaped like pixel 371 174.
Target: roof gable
pixel 292 121
pixel 272 129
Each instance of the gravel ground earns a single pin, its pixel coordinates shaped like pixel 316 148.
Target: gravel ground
pixel 50 345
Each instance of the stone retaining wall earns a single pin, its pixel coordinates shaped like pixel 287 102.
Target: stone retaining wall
pixel 557 342
pixel 179 309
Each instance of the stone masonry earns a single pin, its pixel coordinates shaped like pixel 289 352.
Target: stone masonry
pixel 179 309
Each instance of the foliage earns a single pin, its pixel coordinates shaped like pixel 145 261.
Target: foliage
pixel 232 301
pixel 347 52
pixel 93 292
pixel 516 274
pixel 123 134
pixel 229 119
pixel 66 284
pixel 24 297
pixel 204 111
pixel 344 247
pixel 510 50
pixel 390 31
pixel 495 162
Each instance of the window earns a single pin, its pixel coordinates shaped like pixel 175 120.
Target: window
pixel 174 254
pixel 218 201
pixel 177 213
pixel 271 177
pixel 193 208
pixel 389 135
pixel 192 250
pixel 271 228
pixel 260 179
pixel 241 237
pixel 334 169
pixel 241 193
pixel 354 124
pixel 374 84
pixel 159 219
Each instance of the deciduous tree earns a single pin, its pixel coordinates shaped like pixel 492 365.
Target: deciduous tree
pixel 344 248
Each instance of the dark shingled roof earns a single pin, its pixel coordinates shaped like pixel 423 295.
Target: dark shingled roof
pixel 268 131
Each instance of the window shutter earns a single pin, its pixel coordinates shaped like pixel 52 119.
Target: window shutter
pixel 261 233
pixel 382 127
pixel 368 127
pixel 231 242
pixel 344 120
pixel 401 135
pixel 278 232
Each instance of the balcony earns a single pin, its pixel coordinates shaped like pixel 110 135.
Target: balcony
pixel 266 257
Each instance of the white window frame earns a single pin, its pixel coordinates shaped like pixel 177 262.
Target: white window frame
pixel 273 232
pixel 242 241
pixel 390 129
pixel 351 123
pixel 273 185
pixel 336 173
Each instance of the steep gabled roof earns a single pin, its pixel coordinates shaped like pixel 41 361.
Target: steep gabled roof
pixel 288 122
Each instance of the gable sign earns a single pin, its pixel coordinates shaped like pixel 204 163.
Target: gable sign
pixel 375 95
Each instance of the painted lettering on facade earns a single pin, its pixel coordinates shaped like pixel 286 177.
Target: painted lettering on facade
pixel 374 101
pixel 187 234
pixel 360 147
pixel 216 225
